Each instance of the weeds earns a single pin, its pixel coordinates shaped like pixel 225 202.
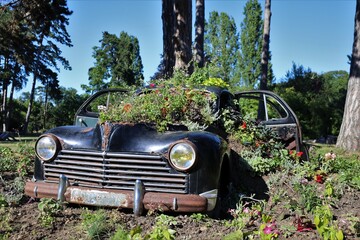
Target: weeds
pixel 49 209
pixel 95 223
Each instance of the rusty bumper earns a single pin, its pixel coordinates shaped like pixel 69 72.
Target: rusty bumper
pixel 118 198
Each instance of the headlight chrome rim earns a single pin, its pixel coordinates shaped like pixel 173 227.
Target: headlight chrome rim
pixel 47 147
pixel 189 161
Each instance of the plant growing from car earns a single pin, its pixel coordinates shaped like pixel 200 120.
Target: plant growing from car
pixel 168 104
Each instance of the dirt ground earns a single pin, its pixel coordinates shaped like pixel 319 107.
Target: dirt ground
pixel 23 223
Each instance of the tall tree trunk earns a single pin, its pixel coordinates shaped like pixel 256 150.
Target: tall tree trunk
pixel 265 46
pixel 46 88
pixel 349 136
pixel 4 108
pixel 31 102
pixel 199 33
pixel 182 39
pixel 168 22
pixel 10 106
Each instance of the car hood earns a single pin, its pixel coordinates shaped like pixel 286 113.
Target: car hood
pixel 140 138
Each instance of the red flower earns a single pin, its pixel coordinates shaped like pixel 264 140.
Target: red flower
pixel 319 178
pixel 152 85
pixel 243 126
pixel 291 152
pixel 299 154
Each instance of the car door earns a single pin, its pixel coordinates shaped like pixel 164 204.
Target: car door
pixel 88 113
pixel 269 109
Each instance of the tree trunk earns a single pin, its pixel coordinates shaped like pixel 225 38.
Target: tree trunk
pixel 265 46
pixel 199 33
pixel 31 101
pixel 349 136
pixel 10 107
pixel 182 39
pixel 46 88
pixel 168 21
pixel 4 108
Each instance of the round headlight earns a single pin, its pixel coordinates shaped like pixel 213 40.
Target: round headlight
pixel 47 147
pixel 182 156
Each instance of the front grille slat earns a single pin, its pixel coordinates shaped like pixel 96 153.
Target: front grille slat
pixel 116 171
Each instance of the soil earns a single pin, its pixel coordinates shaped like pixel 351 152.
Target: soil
pixel 23 223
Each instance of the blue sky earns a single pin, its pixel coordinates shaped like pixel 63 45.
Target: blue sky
pixel 314 33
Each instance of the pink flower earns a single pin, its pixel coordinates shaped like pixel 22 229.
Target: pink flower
pixel 267 229
pixel 152 85
pixel 246 210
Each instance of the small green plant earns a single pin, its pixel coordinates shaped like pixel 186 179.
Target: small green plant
pixel 95 224
pixel 14 191
pixel 5 215
pixel 198 217
pixel 25 159
pixel 163 228
pixel 7 160
pixel 49 209
pixel 307 199
pixel 323 220
pixel 122 234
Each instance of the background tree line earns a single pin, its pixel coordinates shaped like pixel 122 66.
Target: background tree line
pixel 239 57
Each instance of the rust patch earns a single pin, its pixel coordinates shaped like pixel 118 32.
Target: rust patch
pixel 86 130
pixel 107 127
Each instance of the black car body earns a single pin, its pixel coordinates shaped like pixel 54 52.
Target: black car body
pixel 128 165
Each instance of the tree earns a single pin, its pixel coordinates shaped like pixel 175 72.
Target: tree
pixel 66 107
pixel 222 45
pixel 265 46
pixel 182 35
pixel 117 63
pixel 317 99
pixel 251 44
pixel 167 64
pixel 199 33
pixel 32 33
pixel 349 137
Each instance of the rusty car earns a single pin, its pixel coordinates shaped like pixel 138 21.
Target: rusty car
pixel 133 166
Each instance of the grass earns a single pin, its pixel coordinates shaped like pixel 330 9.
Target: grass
pixel 29 139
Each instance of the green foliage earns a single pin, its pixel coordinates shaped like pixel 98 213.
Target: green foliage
pixel 222 46
pixel 7 160
pixel 168 104
pixel 317 99
pixel 14 191
pixel 163 228
pixel 5 215
pixel 20 160
pixel 307 198
pixel 261 147
pixel 49 209
pixel 95 223
pixel 133 234
pixel 65 107
pixel 323 220
pixel 198 217
pixel 251 44
pixel 117 63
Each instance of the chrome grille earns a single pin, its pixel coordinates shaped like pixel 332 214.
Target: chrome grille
pixel 115 171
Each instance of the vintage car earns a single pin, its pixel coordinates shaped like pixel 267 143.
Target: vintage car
pixel 136 167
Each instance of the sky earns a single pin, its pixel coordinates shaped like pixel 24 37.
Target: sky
pixel 314 33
